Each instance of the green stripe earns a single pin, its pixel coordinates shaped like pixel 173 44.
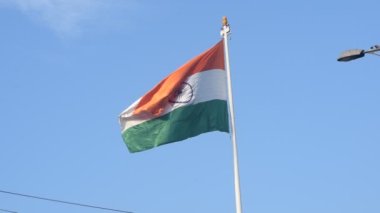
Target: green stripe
pixel 182 123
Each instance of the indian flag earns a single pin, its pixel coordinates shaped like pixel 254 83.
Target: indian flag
pixel 190 101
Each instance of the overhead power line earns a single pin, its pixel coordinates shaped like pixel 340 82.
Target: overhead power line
pixel 4 210
pixel 61 201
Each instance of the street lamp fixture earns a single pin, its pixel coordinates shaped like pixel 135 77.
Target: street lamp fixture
pixel 350 55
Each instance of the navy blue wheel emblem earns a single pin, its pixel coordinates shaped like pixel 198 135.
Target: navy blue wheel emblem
pixel 183 94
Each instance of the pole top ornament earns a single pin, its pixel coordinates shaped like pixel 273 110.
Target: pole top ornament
pixel 226 27
pixel 225 21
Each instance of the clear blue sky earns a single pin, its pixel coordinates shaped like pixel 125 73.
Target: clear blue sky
pixel 307 125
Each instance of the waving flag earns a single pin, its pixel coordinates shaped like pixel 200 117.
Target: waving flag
pixel 190 101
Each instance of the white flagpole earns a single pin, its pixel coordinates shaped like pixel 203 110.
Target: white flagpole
pixel 225 32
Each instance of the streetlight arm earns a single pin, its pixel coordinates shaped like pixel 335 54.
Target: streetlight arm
pixel 373 50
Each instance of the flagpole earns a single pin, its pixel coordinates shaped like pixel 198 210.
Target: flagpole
pixel 225 32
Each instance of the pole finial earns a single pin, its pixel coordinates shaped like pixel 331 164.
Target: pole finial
pixel 226 26
pixel 225 21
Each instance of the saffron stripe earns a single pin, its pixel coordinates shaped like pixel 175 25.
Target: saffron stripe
pixel 154 101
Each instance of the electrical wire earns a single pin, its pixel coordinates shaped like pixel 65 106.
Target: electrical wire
pixel 4 210
pixel 61 201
